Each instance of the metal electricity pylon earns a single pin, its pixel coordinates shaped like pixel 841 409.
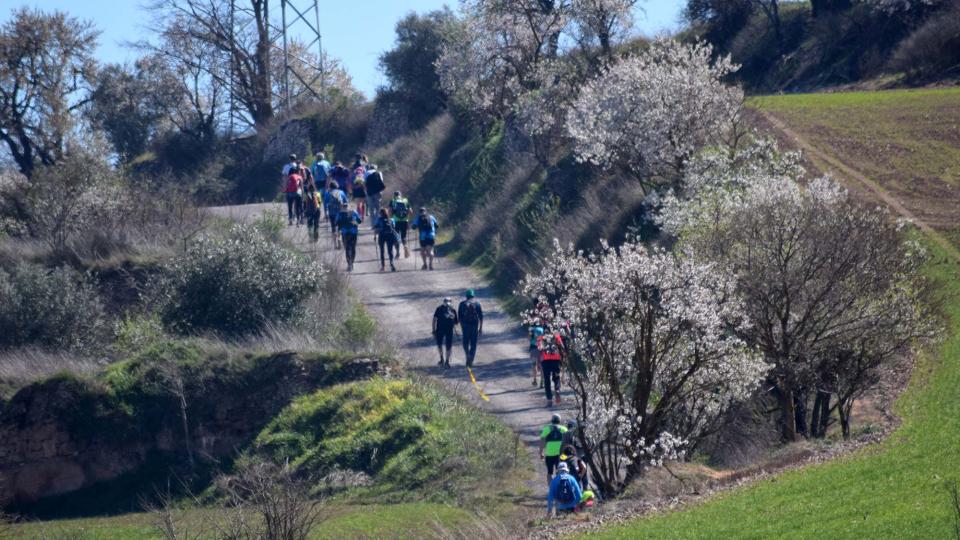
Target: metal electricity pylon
pixel 296 21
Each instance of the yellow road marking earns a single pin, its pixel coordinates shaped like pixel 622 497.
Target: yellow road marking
pixel 479 390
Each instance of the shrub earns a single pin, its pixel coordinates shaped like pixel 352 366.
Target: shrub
pixel 934 48
pixel 56 308
pixel 359 328
pixel 235 284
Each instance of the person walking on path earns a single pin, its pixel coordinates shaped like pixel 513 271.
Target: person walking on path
pixel 375 187
pixel 333 200
pixel 311 208
pixel 551 444
pixel 294 194
pixel 470 314
pixel 340 175
pixel 360 195
pixel 400 212
pixel 426 225
pixel 349 224
pixel 576 466
pixel 551 350
pixel 445 319
pixel 386 237
pixel 535 332
pixel 565 493
pixel 290 165
pixel 321 169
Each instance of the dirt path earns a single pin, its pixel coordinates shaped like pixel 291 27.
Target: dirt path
pixel 404 302
pixel 828 162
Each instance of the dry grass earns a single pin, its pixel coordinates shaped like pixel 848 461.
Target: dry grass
pixel 20 367
pixel 407 159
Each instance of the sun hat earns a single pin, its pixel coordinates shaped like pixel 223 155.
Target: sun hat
pixel 563 467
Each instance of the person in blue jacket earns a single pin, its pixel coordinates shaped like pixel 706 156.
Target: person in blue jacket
pixel 565 492
pixel 348 223
pixel 426 224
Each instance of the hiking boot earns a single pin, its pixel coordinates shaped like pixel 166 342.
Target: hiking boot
pixel 382 268
pixel 534 382
pixel 290 223
pixel 431 266
pixel 424 267
pixel 393 268
pixel 549 403
pixel 556 399
pixel 446 364
pixel 440 363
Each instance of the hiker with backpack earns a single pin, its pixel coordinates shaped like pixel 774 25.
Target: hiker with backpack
pixel 470 314
pixel 360 195
pixel 321 169
pixel 375 187
pixel 340 175
pixel 311 208
pixel 426 224
pixel 578 469
pixel 333 201
pixel 565 492
pixel 294 195
pixel 551 358
pixel 348 222
pixel 445 320
pixel 386 237
pixel 551 444
pixel 400 213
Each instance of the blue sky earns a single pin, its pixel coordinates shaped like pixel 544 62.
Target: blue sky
pixel 354 31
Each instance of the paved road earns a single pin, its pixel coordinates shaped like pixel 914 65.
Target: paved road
pixel 404 302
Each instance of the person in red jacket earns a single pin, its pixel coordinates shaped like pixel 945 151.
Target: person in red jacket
pixel 551 359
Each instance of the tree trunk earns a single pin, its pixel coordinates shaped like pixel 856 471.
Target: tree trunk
pixel 844 410
pixel 800 406
pixel 788 415
pixel 821 415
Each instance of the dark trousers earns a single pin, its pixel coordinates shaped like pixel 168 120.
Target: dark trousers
pixel 350 246
pixel 402 227
pixel 551 374
pixel 333 221
pixel 294 206
pixel 444 339
pixel 313 222
pixel 388 243
pixel 470 335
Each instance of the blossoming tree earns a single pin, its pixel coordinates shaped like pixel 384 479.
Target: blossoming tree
pixel 831 286
pixel 651 339
pixel 649 114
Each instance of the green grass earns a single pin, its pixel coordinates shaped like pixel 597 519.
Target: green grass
pixel 413 520
pixel 892 490
pixel 412 439
pixel 907 141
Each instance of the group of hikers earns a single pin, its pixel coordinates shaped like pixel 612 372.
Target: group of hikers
pixel 325 190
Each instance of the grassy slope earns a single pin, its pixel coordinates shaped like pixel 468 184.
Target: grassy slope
pixel 894 490
pixel 906 140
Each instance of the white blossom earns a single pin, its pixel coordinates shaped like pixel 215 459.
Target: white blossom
pixel 651 113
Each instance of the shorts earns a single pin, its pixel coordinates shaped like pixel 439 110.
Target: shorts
pixel 552 462
pixel 426 242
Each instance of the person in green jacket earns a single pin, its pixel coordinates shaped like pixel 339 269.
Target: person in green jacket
pixel 551 444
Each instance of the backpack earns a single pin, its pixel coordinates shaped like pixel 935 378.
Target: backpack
pixel 565 490
pixel 550 346
pixel 334 201
pixel 470 315
pixel 313 205
pixel 400 209
pixel 555 434
pixel 351 219
pixel 293 183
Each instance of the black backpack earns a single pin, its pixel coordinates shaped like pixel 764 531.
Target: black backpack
pixel 470 315
pixel 400 210
pixel 555 434
pixel 449 315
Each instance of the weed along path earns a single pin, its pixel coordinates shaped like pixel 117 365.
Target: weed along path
pixel 403 302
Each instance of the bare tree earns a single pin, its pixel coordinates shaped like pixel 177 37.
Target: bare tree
pixel 46 70
pixel 280 499
pixel 244 40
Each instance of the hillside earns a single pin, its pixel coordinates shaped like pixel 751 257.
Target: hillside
pixel 901 487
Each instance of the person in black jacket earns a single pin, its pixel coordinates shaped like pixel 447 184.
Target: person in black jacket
pixel 375 188
pixel 470 315
pixel 444 321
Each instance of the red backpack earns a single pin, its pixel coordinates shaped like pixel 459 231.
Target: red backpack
pixel 294 183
